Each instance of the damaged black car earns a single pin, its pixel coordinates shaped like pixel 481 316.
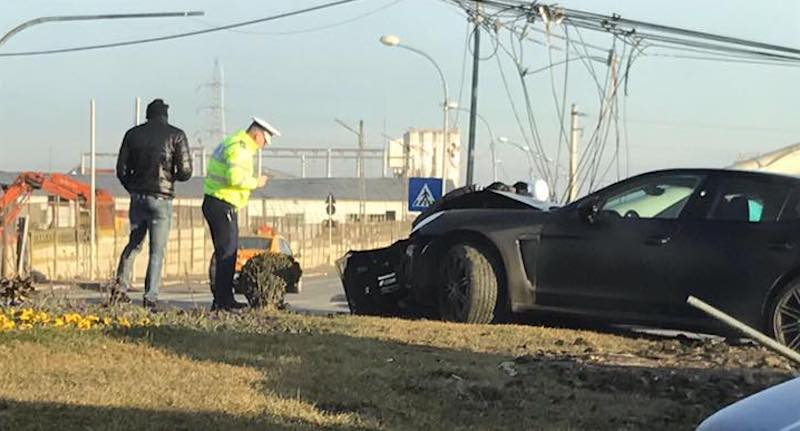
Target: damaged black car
pixel 629 253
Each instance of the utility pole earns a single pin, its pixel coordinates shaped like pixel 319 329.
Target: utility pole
pixel 93 192
pixel 473 108
pixel 362 184
pixel 329 163
pixel 494 160
pixel 137 116
pixel 573 155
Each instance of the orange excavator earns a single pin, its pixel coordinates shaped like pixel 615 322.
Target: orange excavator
pixel 16 194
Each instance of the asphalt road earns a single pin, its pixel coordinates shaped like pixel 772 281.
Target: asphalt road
pixel 321 293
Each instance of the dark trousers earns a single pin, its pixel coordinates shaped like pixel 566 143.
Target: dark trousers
pixel 223 221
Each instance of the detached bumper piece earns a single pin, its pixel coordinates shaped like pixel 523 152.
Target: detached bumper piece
pixel 374 280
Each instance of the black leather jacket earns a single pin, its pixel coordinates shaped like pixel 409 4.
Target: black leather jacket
pixel 153 156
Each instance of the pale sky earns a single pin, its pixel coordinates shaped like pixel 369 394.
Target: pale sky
pixel 680 112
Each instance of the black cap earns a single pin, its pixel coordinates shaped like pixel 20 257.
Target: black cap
pixel 156 108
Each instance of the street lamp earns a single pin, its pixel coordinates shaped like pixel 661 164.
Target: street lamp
pixel 46 19
pixel 525 149
pixel 394 41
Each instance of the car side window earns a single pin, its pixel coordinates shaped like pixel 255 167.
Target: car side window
pixel 662 197
pixel 746 200
pixel 285 247
pixel 791 211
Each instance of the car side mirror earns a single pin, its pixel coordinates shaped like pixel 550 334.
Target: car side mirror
pixel 588 210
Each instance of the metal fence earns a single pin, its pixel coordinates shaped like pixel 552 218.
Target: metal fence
pixel 64 253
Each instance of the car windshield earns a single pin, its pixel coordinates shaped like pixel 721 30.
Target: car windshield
pixel 285 247
pixel 255 243
pixel 659 198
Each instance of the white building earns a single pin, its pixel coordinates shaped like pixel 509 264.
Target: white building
pixel 420 151
pixel 785 160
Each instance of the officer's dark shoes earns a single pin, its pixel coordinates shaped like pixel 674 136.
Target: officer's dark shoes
pixel 237 305
pixel 231 307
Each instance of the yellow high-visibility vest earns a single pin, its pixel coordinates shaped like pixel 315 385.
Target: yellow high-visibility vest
pixel 230 171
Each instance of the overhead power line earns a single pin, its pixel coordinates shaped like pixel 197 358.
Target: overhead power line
pixel 312 29
pixel 180 35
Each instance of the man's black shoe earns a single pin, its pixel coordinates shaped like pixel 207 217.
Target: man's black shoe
pixel 117 295
pixel 150 305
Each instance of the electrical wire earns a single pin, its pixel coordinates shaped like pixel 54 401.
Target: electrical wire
pixel 312 29
pixel 463 71
pixel 180 35
pixel 560 108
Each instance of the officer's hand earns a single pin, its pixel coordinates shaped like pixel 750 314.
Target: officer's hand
pixel 262 180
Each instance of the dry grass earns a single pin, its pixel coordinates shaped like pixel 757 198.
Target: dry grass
pixel 286 371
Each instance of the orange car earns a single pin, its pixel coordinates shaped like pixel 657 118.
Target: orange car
pixel 251 246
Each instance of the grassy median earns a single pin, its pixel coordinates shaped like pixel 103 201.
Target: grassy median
pixel 277 370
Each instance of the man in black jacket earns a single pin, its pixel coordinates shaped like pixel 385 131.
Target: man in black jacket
pixel 153 156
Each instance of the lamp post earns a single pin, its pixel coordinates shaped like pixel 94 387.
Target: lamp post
pixel 525 149
pixel 64 18
pixel 394 41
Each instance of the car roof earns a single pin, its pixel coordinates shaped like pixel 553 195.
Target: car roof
pixel 726 173
pixel 262 237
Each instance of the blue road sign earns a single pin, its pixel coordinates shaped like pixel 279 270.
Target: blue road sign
pixel 423 192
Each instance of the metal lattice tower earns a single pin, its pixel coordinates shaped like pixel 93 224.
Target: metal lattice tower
pixel 216 111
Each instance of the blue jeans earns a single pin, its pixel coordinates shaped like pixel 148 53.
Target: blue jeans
pixel 153 215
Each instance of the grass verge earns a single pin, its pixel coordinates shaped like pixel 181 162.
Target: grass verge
pixel 276 370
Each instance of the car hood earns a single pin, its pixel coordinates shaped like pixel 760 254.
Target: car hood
pixel 486 200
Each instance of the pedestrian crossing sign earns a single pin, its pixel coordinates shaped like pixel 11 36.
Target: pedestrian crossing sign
pixel 423 192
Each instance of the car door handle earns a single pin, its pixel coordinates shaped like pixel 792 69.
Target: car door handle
pixel 657 240
pixel 781 246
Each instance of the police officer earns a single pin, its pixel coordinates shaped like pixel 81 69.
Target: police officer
pixel 229 181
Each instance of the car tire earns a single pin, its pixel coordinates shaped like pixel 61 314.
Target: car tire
pixel 469 286
pixel 783 317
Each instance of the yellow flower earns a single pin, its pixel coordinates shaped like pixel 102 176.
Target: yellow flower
pixel 124 322
pixel 42 318
pixel 25 326
pixel 72 318
pixel 107 321
pixel 59 322
pixel 144 322
pixel 85 324
pixel 26 315
pixel 8 325
pixel 92 318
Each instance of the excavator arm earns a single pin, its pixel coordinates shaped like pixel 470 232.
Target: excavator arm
pixel 17 193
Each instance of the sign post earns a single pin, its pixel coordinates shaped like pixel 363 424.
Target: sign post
pixel 423 192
